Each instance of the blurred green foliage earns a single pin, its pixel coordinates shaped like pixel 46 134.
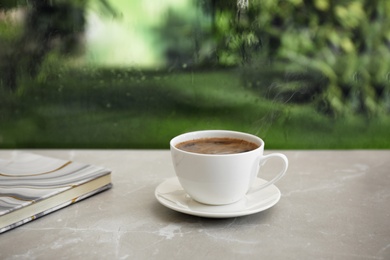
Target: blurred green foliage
pixel 345 42
pixel 260 70
pixel 35 29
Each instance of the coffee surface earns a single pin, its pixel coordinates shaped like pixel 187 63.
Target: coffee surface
pixel 217 146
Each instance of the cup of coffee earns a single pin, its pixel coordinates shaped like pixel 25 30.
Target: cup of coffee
pixel 219 167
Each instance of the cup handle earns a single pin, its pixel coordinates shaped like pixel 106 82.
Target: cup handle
pixel 263 160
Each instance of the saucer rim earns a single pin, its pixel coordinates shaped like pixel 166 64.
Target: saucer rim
pixel 240 213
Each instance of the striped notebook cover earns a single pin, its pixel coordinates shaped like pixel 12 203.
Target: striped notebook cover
pixel 32 186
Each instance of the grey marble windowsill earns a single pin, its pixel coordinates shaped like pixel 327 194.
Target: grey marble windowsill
pixel 334 205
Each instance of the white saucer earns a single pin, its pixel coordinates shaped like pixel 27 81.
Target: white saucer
pixel 170 194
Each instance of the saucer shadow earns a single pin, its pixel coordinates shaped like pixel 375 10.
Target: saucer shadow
pixel 168 215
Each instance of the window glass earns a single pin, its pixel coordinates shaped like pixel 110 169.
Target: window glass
pixel 133 74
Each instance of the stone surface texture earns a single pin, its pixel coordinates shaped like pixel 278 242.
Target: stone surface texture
pixel 334 205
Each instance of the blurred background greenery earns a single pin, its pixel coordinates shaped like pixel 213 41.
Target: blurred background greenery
pixel 302 74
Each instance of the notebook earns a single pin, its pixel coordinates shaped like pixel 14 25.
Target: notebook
pixel 32 186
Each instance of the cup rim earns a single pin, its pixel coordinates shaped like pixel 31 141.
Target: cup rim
pixel 216 133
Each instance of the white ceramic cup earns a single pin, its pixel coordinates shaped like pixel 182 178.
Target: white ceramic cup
pixel 219 179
